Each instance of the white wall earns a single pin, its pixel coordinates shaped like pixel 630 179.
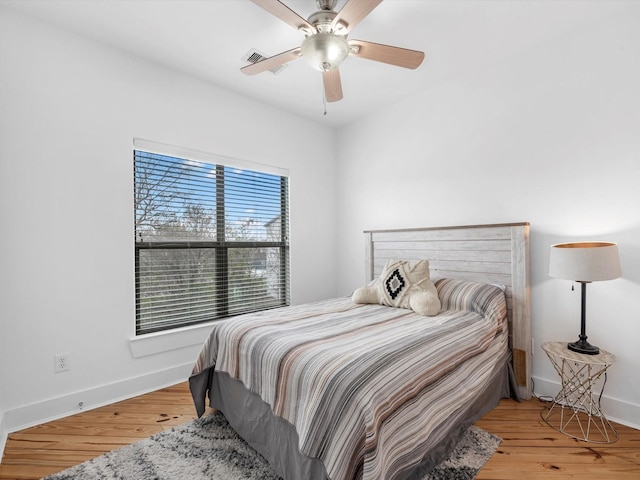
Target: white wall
pixel 69 110
pixel 551 137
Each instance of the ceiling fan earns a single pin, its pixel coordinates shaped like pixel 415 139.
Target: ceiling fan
pixel 325 45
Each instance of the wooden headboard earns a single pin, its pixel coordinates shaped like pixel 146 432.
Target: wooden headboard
pixel 497 254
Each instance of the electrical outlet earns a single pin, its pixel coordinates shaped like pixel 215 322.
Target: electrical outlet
pixel 61 362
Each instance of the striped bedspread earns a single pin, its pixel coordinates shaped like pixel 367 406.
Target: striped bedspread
pixel 367 387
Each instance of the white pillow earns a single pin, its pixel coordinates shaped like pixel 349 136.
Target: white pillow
pixel 403 284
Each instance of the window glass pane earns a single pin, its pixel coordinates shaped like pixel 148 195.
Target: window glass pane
pixel 253 202
pixel 255 279
pixel 175 199
pixel 176 287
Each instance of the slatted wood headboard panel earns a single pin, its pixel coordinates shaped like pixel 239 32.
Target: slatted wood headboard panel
pixel 497 254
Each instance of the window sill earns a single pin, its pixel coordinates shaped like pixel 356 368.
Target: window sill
pixel 160 342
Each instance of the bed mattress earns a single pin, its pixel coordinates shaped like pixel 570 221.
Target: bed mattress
pixel 335 390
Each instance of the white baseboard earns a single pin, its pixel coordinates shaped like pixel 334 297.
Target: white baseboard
pixel 3 434
pixel 614 409
pixel 54 408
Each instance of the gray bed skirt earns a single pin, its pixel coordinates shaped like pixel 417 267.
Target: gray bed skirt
pixel 276 439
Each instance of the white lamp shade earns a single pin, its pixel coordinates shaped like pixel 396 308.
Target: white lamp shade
pixel 585 261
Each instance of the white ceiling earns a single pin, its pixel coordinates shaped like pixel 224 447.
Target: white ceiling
pixel 208 38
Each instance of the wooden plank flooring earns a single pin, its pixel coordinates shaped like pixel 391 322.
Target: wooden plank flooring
pixel 530 449
pixel 51 447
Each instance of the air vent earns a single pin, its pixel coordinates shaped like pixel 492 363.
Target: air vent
pixel 254 56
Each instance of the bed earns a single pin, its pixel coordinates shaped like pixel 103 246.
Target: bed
pixel 340 390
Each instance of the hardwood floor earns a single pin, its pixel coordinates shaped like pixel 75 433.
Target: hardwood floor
pixel 530 449
pixel 54 446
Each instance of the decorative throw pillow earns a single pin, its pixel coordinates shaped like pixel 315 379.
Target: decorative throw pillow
pixel 403 284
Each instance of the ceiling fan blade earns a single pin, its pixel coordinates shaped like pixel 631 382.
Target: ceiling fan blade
pixel 353 12
pixel 332 85
pixel 271 62
pixel 284 13
pixel 400 57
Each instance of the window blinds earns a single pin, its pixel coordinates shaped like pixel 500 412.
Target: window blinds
pixel 211 241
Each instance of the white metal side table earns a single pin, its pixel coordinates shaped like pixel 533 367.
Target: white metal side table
pixel 575 411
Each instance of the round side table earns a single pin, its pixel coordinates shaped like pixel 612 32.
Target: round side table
pixel 575 410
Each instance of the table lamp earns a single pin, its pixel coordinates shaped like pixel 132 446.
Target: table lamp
pixel 584 262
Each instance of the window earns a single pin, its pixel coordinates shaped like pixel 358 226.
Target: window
pixel 211 240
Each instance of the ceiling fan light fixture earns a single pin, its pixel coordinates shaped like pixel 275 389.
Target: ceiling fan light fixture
pixel 325 45
pixel 325 51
